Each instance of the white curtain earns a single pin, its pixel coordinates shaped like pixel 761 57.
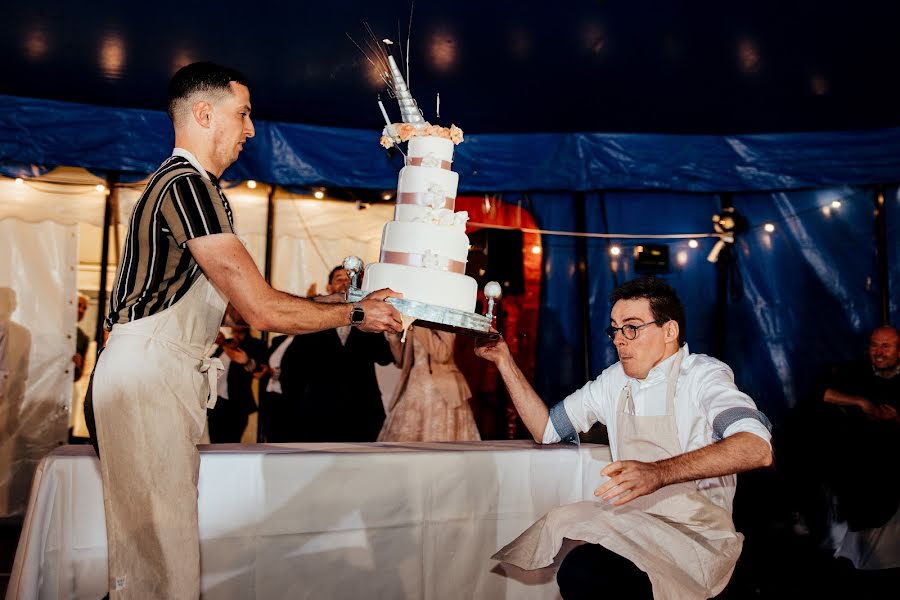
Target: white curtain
pixel 314 236
pixel 38 278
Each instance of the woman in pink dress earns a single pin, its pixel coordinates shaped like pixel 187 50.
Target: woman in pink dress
pixel 432 399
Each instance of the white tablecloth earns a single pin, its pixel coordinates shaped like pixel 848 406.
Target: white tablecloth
pixel 325 520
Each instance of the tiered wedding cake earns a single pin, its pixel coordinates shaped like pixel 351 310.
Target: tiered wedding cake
pixel 424 249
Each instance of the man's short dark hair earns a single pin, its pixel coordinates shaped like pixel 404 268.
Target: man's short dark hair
pixel 333 272
pixel 201 77
pixel 664 303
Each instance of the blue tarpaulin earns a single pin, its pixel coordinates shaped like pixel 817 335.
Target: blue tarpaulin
pixel 804 295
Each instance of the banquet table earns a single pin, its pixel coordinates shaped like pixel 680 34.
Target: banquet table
pixel 381 520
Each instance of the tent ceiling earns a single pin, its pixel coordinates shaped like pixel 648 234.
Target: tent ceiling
pixel 499 65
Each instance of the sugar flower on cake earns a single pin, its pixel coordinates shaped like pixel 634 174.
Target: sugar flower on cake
pixel 435 197
pixel 456 135
pixel 433 260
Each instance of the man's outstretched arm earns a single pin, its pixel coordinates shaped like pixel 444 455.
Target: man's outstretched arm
pixel 230 267
pixel 630 479
pixel 531 408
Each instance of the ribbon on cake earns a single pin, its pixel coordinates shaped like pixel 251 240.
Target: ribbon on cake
pixel 427 260
pixel 428 161
pixel 425 199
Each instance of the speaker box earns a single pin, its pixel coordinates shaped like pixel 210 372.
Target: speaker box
pixel 651 258
pixel 496 255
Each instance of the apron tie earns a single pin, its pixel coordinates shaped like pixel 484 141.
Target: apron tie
pixel 212 366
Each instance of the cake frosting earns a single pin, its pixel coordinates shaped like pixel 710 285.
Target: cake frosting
pixel 425 248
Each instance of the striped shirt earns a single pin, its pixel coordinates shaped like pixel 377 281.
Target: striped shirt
pixel 156 269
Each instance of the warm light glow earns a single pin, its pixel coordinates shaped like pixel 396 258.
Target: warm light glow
pixel 319 194
pixel 387 196
pixel 769 227
pixel 535 249
pixel 826 210
pixel 36 44
pixel 748 56
pixel 112 56
pixel 615 250
pixel 638 249
pixel 442 50
pixel 100 187
pixel 693 243
pixel 681 258
pixel 251 184
pixel 19 181
pixel 835 204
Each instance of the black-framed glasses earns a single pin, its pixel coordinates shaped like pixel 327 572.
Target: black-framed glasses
pixel 628 331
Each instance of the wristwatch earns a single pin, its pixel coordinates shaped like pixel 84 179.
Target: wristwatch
pixel 358 315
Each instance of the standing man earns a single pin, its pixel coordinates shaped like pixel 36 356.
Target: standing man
pixel 181 265
pixel 332 373
pixel 679 431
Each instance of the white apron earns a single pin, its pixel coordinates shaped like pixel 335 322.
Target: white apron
pixel 151 388
pixel 685 543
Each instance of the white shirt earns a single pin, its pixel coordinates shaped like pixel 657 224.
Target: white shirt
pixel 222 384
pixel 704 391
pixel 274 385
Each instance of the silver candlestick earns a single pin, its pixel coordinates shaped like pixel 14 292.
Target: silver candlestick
pixel 353 265
pixel 492 291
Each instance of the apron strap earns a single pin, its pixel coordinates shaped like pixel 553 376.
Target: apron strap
pixel 212 366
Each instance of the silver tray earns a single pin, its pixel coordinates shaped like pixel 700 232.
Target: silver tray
pixel 438 317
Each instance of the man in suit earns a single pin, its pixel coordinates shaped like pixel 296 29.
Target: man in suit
pixel 324 387
pixel 242 355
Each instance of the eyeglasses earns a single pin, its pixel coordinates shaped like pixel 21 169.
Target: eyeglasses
pixel 628 331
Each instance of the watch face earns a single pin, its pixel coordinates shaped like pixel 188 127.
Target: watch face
pixel 358 316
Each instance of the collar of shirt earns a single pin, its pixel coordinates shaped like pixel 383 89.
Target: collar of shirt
pixel 195 163
pixel 658 374
pixel 886 374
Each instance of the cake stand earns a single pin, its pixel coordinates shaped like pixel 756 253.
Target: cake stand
pixel 431 316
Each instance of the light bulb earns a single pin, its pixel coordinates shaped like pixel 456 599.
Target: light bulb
pixel 693 243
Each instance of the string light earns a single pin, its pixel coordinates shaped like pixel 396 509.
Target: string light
pixel 19 181
pixel 693 243
pixel 535 249
pixel 835 204
pixel 100 187
pixel 319 194
pixel 769 227
pixel 615 250
pixel 681 258
pixel 251 184
pixel 387 196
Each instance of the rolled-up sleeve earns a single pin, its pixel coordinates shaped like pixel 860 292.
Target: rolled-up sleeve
pixel 729 410
pixel 577 412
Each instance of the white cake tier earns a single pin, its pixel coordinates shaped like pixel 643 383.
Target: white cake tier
pixel 432 151
pixel 420 187
pixel 419 238
pixel 440 288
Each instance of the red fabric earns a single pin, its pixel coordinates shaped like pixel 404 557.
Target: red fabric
pixel 517 318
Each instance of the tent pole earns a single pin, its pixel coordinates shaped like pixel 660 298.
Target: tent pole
pixel 270 226
pixel 721 311
pixel 882 254
pixel 111 200
pixel 583 287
